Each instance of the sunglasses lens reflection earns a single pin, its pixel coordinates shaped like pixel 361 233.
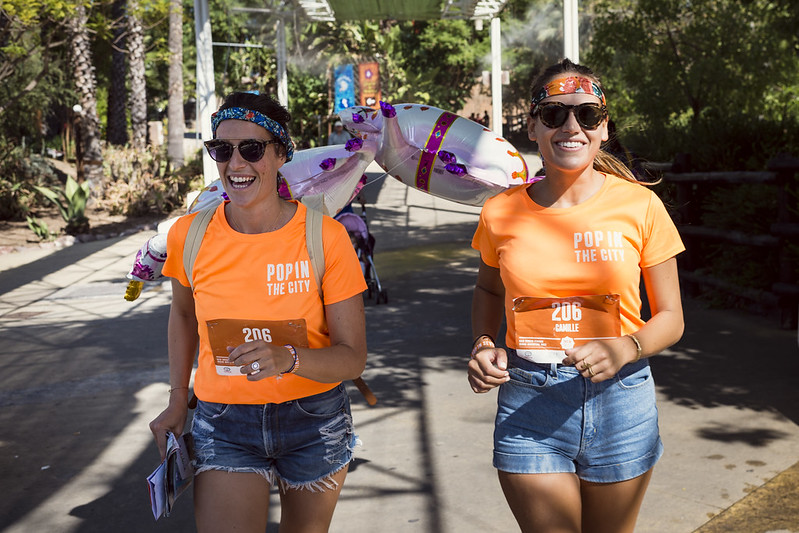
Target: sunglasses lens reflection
pixel 220 151
pixel 589 116
pixel 252 151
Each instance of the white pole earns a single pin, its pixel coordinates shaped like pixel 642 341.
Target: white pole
pixel 496 77
pixel 282 82
pixel 206 101
pixel 575 19
pixel 571 31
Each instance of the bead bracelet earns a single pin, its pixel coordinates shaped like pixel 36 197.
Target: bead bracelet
pixel 295 365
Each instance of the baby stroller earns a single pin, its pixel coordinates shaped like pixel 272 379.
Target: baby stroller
pixel 364 243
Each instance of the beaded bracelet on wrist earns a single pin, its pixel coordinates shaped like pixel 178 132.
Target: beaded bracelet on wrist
pixel 295 365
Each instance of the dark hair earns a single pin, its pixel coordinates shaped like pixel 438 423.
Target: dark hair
pixel 603 162
pixel 264 104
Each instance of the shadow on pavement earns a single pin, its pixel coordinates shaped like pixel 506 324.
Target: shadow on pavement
pixel 14 278
pixel 735 359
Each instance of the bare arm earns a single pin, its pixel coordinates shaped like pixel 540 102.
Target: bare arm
pixel 487 368
pixel 487 302
pixel 182 346
pixel 344 359
pixel 661 331
pixel 667 324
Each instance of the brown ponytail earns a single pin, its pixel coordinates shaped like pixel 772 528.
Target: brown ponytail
pixel 610 164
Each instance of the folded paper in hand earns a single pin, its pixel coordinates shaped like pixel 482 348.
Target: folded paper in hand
pixel 173 475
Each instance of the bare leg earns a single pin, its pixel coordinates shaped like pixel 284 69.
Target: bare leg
pixel 230 501
pixel 543 503
pixel 613 507
pixel 305 511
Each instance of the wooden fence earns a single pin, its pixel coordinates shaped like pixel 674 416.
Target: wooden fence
pixel 784 229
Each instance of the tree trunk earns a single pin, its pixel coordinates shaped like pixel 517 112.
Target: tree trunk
pixel 80 58
pixel 138 96
pixel 117 131
pixel 176 124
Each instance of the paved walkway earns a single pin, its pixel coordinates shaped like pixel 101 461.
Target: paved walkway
pixel 83 372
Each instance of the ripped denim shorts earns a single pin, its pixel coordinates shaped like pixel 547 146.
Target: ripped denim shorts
pixel 298 444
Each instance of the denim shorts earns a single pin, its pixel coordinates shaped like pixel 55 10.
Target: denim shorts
pixel 550 419
pixel 298 444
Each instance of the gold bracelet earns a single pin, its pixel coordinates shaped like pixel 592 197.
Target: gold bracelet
pixel 637 347
pixel 176 388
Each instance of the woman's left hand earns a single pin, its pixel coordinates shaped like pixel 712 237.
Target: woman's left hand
pixel 259 359
pixel 601 360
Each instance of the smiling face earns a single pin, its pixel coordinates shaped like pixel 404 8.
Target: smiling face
pixel 248 183
pixel 569 147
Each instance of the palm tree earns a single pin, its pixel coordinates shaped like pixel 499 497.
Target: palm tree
pixel 175 119
pixel 80 58
pixel 138 96
pixel 117 130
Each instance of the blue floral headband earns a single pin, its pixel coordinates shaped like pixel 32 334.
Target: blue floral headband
pixel 240 113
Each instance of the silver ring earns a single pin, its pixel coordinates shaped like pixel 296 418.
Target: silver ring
pixel 255 366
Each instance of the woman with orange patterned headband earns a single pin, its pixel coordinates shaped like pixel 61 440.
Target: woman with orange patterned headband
pixel 276 333
pixel 576 431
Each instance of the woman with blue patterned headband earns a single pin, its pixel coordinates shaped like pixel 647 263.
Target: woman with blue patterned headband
pixel 576 432
pixel 274 345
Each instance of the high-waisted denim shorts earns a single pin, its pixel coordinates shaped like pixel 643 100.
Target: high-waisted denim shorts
pixel 298 444
pixel 550 419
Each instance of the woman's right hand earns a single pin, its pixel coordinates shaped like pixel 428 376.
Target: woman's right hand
pixel 488 369
pixel 172 419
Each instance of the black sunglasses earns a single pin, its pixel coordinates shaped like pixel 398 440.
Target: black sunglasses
pixel 588 115
pixel 251 150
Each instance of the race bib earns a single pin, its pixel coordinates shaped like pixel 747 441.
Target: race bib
pixel 224 332
pixel 547 327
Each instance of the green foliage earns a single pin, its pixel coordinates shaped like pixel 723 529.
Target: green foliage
pixel 71 204
pixel 32 66
pixel 20 170
pixel 704 76
pixel 138 182
pixel 308 98
pixel 441 59
pixel 12 205
pixel 40 229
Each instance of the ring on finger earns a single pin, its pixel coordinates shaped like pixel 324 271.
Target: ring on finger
pixel 256 367
pixel 587 366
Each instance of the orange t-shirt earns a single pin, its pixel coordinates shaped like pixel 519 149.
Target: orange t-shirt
pixel 595 248
pixel 265 276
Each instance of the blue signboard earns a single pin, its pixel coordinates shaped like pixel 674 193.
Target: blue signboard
pixel 345 88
